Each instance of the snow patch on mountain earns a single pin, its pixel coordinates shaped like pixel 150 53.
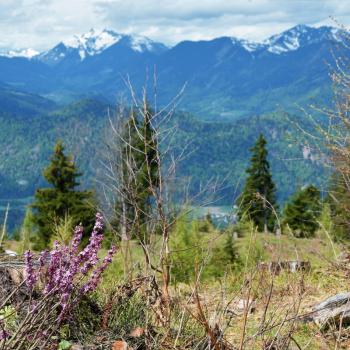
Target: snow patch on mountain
pixel 250 46
pixel 92 42
pixel 141 43
pixel 300 36
pixel 292 39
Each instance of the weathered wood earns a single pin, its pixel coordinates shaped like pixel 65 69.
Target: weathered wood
pixel 11 278
pixel 333 311
pixel 276 267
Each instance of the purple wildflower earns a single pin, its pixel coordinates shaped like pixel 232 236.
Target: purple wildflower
pixel 92 284
pixel 43 258
pixel 29 271
pixel 54 268
pixel 98 223
pixel 64 266
pixel 89 254
pixel 78 234
pixel 3 334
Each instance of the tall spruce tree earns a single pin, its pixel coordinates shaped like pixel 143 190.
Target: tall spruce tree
pixel 301 213
pixel 62 199
pixel 258 199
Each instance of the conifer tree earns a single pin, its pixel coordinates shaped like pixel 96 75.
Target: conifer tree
pixel 301 213
pixel 61 199
pixel 258 200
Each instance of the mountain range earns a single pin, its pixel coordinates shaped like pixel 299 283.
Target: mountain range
pixel 225 78
pixel 235 89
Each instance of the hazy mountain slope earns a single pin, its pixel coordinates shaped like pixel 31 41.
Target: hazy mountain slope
pixel 20 103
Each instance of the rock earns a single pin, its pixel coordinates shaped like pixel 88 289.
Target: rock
pixel 294 266
pixel 76 347
pixel 121 345
pixel 137 332
pixel 240 305
pixel 10 252
pixel 16 275
pixel 343 258
pixel 332 311
pixel 10 279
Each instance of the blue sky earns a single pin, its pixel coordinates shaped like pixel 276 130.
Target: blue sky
pixel 41 24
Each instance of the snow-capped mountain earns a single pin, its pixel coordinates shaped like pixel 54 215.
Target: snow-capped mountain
pixel 251 77
pixel 94 43
pixel 291 39
pixel 300 36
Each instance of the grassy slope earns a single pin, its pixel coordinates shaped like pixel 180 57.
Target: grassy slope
pixel 322 281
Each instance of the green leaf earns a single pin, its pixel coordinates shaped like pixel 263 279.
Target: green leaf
pixel 64 345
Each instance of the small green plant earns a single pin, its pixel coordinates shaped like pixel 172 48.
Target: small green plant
pixel 63 228
pixel 253 250
pixel 64 345
pixel 9 316
pixel 85 321
pixel 128 314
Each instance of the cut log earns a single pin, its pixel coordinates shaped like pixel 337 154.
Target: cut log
pixel 333 311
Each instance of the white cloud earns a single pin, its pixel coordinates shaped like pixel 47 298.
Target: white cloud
pixel 43 23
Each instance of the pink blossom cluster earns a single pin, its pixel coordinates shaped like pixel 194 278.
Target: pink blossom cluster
pixel 29 270
pixel 65 269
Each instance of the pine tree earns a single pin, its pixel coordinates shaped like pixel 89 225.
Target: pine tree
pixel 258 200
pixel 302 212
pixel 62 199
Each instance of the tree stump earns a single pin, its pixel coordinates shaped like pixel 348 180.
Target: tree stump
pixel 334 311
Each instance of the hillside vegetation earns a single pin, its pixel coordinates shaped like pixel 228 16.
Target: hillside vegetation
pixel 215 150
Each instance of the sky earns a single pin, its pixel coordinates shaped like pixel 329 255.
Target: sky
pixel 41 24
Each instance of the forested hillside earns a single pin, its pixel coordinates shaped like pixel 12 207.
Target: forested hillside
pixel 215 150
